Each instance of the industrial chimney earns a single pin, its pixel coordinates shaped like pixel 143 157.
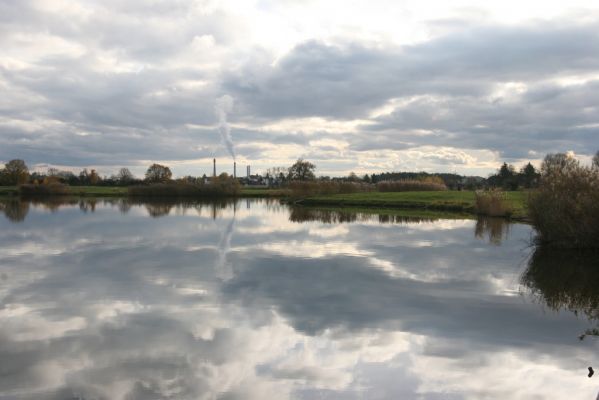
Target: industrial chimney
pixel 214 167
pixel 234 169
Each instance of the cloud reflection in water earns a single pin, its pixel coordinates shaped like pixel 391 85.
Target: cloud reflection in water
pixel 112 304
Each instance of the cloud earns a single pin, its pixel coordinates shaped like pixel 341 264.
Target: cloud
pixel 103 83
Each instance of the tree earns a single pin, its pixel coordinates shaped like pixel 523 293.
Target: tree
pixel 158 173
pixel 596 160
pixel 558 164
pixel 93 177
pixel 352 177
pixel 529 175
pixel 302 171
pixel 16 172
pixel 124 176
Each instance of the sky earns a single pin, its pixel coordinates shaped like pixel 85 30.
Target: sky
pixel 352 86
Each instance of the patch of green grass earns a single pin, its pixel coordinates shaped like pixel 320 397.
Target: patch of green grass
pixel 453 201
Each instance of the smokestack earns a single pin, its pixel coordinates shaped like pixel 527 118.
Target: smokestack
pixel 214 167
pixel 247 169
pixel 234 169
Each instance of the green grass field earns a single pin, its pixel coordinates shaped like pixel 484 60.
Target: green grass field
pixel 453 201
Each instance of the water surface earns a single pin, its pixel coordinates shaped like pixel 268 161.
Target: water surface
pixel 255 300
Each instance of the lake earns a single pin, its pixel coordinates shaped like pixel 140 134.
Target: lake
pixel 251 299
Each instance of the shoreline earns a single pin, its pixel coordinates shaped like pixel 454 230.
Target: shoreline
pixel 451 203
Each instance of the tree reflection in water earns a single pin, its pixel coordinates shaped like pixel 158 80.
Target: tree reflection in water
pixel 565 280
pixel 14 209
pixel 304 214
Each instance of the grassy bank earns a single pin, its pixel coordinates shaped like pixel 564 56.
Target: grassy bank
pixel 452 201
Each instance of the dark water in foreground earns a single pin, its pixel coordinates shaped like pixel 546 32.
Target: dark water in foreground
pixel 253 300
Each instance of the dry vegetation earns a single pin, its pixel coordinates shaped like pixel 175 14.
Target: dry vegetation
pixel 219 187
pixel 493 203
pixel 44 189
pixel 301 189
pixel 427 184
pixel 565 208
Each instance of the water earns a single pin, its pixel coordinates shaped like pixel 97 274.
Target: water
pixel 254 300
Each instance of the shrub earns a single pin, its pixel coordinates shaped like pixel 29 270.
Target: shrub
pixel 412 185
pixel 493 203
pixel 311 188
pixel 217 188
pixel 565 208
pixel 44 189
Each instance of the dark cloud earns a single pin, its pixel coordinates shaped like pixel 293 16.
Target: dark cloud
pixel 138 76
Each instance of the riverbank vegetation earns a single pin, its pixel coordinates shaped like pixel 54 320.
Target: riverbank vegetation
pixel 565 208
pixel 453 201
pixel 493 203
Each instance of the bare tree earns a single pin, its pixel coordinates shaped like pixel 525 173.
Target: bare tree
pixel 302 171
pixel 158 173
pixel 124 176
pixel 16 172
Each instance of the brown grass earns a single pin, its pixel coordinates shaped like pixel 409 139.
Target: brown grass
pixel 301 189
pixel 218 188
pixel 412 185
pixel 493 203
pixel 44 189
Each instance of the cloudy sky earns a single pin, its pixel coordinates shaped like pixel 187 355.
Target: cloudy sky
pixel 364 86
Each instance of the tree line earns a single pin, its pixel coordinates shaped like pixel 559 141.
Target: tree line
pixel 16 172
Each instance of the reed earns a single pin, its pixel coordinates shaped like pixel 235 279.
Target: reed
pixel 299 189
pixel 54 189
pixel 492 203
pixel 217 188
pixel 412 185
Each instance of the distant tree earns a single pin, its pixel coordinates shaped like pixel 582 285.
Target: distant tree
pixel 353 177
pixel 528 175
pixel 94 178
pixel 84 176
pixel 596 160
pixel 506 171
pixel 506 177
pixel 302 171
pixel 366 178
pixel 52 172
pixel 124 176
pixel 558 163
pixel 16 172
pixel 158 173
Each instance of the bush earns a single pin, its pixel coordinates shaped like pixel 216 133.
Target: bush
pixel 56 189
pixel 493 203
pixel 565 208
pixel 412 185
pixel 311 188
pixel 217 188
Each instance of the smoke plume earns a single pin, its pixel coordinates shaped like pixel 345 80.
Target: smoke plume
pixel 224 105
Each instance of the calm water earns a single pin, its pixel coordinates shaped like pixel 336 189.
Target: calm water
pixel 253 300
